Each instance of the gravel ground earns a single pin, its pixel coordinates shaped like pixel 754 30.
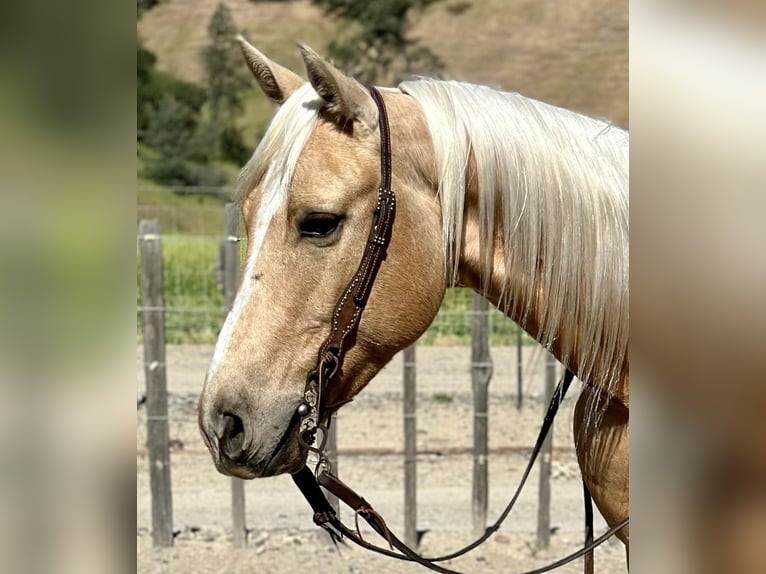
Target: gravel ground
pixel 282 537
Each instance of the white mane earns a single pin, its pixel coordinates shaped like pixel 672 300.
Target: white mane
pixel 557 183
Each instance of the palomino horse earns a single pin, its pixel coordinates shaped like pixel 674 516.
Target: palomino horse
pixel 524 202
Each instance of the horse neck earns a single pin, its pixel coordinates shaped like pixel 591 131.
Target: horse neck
pixel 496 292
pixel 496 286
pixel 545 239
pixel 520 292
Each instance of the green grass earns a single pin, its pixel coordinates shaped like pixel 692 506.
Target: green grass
pixel 197 212
pixel 194 303
pixel 443 398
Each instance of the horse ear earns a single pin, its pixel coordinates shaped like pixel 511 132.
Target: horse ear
pixel 277 82
pixel 346 98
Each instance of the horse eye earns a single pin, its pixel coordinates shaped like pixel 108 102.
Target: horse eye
pixel 318 224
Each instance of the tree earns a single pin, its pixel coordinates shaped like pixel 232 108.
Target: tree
pixel 174 133
pixel 171 129
pixel 226 77
pixel 153 86
pixel 372 41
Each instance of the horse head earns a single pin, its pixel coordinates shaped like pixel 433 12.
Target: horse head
pixel 307 197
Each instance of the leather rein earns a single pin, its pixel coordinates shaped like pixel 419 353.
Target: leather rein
pixel 313 411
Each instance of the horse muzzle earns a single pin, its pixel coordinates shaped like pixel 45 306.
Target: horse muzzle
pixel 237 450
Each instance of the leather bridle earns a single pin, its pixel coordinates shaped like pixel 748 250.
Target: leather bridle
pixel 314 414
pixel 348 309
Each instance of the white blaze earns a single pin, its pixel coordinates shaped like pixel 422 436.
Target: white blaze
pixel 274 162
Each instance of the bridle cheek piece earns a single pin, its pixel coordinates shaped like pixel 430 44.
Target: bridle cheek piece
pixel 313 412
pixel 348 310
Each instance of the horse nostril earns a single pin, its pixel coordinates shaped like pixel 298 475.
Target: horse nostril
pixel 232 438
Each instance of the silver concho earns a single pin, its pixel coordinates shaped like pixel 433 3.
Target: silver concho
pixel 303 409
pixel 310 397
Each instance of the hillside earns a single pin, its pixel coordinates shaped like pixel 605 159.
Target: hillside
pixel 573 54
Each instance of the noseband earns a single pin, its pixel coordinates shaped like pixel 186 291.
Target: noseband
pixel 314 413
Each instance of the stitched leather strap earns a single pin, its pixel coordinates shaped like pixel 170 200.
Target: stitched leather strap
pixel 348 309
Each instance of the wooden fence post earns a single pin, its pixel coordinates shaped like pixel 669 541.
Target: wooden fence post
pixel 230 262
pixel 410 449
pixel 481 374
pixel 153 327
pixel 544 491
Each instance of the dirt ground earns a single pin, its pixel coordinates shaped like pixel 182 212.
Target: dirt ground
pixel 282 537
